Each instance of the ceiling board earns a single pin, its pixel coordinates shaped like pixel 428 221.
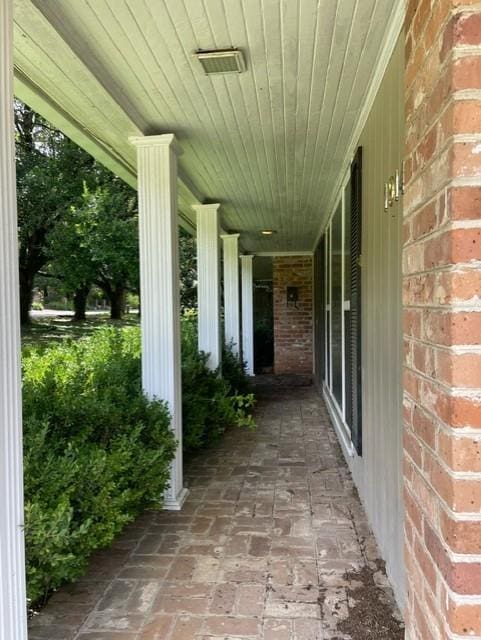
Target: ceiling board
pixel 268 144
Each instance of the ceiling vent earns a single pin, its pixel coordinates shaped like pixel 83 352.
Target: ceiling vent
pixel 221 61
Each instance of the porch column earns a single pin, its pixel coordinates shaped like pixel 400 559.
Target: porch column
pixel 442 320
pixel 231 290
pixel 13 621
pixel 247 313
pixel 208 282
pixel 159 285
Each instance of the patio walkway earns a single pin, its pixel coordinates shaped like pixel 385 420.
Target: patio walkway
pixel 259 551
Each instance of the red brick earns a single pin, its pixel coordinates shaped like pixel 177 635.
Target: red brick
pixel 461 495
pixel 424 427
pixel 425 220
pixel 461 454
pixel 459 370
pixel 451 329
pixel 467 73
pixel 458 286
pixel 463 578
pixel 467 159
pixel 413 448
pixel 425 563
pixel 464 619
pixel 292 326
pixel 464 202
pixel 413 510
pixel 467 28
pixel 462 536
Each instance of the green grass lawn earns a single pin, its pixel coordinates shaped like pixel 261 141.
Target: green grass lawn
pixel 44 331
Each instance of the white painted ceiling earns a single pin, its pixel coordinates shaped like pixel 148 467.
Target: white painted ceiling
pixel 269 144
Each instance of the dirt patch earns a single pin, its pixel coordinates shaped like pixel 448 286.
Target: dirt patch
pixel 372 612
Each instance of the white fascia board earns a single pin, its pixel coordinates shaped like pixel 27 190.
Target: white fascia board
pixel 280 254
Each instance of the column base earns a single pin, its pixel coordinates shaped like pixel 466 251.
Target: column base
pixel 176 504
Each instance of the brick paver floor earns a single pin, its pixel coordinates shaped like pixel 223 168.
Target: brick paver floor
pixel 259 551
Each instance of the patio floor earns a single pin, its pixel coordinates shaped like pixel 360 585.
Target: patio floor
pixel 260 550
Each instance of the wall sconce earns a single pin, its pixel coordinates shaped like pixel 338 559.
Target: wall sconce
pixel 397 185
pixel 392 190
pixel 292 296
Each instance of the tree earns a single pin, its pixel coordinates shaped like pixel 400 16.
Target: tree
pixel 188 270
pixel 51 173
pixel 97 243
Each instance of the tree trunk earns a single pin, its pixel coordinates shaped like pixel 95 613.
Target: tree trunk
pixel 117 301
pixel 26 295
pixel 80 303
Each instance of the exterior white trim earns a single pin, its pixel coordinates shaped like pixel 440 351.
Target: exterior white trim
pixel 396 24
pixel 339 426
pixel 274 254
pixel 248 313
pixel 13 609
pixel 208 282
pixel 231 290
pixel 159 284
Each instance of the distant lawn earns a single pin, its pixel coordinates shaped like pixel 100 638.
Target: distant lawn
pixel 48 330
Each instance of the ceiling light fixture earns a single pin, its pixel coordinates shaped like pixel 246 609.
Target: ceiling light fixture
pixel 221 61
pixel 267 232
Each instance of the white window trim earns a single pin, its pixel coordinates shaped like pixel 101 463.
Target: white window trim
pixel 338 414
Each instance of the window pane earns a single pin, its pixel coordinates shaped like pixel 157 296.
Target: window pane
pixel 336 305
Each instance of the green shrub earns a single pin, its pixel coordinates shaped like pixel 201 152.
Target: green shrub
pixel 211 402
pixel 234 371
pixel 96 452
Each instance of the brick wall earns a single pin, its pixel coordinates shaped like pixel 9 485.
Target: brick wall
pixel 442 319
pixel 292 326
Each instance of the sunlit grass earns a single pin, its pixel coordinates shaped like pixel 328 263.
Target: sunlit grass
pixel 45 331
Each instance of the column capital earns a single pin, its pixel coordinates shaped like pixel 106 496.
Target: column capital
pixel 162 140
pixel 230 236
pixel 206 207
pixel 249 256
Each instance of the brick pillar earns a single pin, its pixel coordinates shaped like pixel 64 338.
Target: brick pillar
pixel 442 319
pixel 292 322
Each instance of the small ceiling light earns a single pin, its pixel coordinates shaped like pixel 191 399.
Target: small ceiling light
pixel 267 232
pixel 221 61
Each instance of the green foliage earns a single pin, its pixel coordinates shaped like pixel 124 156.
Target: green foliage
pixel 96 452
pixel 210 401
pixel 51 172
pixel 96 242
pixel 188 270
pixel 234 371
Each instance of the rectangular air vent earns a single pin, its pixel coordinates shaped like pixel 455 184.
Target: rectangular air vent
pixel 221 61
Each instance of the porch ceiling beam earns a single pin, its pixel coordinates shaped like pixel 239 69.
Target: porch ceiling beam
pixel 92 118
pixel 13 620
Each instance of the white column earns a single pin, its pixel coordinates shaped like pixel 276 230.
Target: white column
pixel 231 290
pixel 13 620
pixel 208 282
pixel 159 286
pixel 247 313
